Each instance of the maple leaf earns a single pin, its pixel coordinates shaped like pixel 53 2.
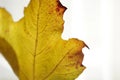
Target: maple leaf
pixel 33 46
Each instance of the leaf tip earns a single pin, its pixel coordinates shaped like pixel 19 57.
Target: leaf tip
pixel 60 8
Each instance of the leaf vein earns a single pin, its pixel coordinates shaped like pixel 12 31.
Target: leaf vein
pixel 57 65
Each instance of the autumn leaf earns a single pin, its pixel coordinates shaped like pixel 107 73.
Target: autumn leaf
pixel 33 46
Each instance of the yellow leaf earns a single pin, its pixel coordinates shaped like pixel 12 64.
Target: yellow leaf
pixel 33 45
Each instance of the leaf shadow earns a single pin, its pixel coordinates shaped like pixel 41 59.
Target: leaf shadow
pixel 9 54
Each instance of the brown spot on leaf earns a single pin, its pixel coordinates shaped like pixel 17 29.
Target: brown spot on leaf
pixel 70 57
pixel 7 31
pixel 80 56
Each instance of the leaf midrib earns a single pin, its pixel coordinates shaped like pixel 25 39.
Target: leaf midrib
pixel 36 42
pixel 35 50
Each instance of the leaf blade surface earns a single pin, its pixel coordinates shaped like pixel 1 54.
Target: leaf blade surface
pixel 40 53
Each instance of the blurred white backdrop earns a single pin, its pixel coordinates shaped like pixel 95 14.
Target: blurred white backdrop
pixel 97 22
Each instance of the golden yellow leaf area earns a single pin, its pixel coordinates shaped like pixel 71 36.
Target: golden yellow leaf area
pixel 33 46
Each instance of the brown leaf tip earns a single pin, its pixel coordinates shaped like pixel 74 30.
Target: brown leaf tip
pixel 60 8
pixel 86 46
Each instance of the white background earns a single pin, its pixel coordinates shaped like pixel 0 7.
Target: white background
pixel 97 22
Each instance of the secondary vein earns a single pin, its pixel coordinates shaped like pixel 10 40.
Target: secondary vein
pixel 57 64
